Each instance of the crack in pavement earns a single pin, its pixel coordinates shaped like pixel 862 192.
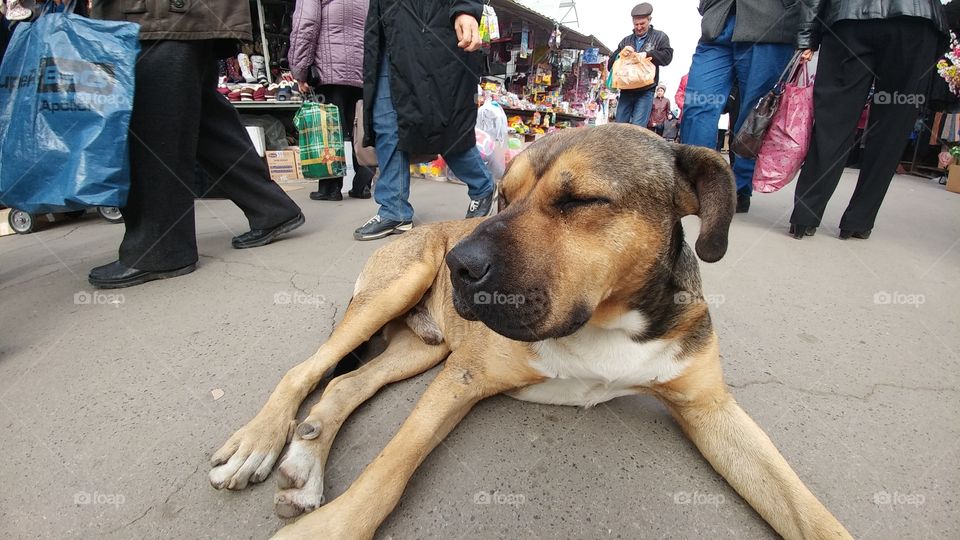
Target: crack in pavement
pixel 864 397
pixel 176 490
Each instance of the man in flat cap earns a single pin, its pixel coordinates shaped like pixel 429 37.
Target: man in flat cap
pixel 635 105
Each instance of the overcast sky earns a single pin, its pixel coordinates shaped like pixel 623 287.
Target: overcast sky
pixel 610 21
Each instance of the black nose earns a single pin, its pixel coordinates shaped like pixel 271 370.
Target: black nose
pixel 469 262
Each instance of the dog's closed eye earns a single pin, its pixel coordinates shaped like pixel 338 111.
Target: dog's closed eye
pixel 572 202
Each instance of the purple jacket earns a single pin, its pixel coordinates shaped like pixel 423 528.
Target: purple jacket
pixel 327 35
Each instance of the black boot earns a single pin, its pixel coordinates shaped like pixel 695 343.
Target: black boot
pixel 743 203
pixel 863 235
pixel 799 231
pixel 326 191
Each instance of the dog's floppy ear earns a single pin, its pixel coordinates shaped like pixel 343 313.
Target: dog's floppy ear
pixel 705 186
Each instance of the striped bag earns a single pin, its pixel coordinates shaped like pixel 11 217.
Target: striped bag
pixel 321 140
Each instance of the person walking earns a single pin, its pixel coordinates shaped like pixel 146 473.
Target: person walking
pixel 659 110
pixel 892 45
pixel 420 73
pixel 635 105
pixel 180 120
pixel 326 53
pixel 750 41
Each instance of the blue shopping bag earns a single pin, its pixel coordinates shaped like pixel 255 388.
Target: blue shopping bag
pixel 66 94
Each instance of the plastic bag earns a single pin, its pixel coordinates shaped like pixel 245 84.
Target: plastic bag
pixel 788 139
pixel 746 143
pixel 321 140
pixel 66 95
pixel 631 72
pixel 491 133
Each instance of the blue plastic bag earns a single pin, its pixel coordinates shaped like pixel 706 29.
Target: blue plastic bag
pixel 66 94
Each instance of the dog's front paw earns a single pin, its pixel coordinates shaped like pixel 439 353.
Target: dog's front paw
pixel 334 520
pixel 301 479
pixel 248 456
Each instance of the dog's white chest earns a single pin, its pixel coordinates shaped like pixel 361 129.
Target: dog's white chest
pixel 598 364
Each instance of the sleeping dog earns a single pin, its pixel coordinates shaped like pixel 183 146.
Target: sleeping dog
pixel 580 290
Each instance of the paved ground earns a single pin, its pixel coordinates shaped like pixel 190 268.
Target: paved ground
pixel 845 352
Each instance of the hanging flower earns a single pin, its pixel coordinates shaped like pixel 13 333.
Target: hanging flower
pixel 947 67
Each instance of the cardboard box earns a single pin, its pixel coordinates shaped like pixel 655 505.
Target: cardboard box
pixel 953 178
pixel 283 165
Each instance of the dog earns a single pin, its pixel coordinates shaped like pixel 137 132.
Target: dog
pixel 580 290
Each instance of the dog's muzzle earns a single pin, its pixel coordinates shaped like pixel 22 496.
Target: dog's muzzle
pixel 484 291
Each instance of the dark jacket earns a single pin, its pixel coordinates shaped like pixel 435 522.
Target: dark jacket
pixel 815 14
pixel 180 19
pixel 327 37
pixel 758 21
pixel 657 48
pixel 433 82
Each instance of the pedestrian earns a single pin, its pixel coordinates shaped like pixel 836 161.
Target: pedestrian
pixel 659 110
pixel 326 53
pixel 671 127
pixel 892 45
pixel 420 77
pixel 180 120
pixel 750 41
pixel 635 105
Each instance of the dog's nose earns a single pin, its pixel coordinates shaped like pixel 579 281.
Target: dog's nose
pixel 469 263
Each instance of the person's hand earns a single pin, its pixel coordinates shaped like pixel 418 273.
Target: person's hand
pixel 468 32
pixel 806 55
pixel 304 87
pixel 641 55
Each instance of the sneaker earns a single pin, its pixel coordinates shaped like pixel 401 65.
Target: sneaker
pixel 378 228
pixel 246 68
pixel 259 68
pixel 481 207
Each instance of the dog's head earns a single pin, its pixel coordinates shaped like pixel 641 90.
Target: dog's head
pixel 587 217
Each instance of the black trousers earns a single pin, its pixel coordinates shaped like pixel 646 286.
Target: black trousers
pixel 179 120
pixel 345 98
pixel 898 56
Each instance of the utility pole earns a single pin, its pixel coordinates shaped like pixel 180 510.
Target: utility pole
pixel 569 17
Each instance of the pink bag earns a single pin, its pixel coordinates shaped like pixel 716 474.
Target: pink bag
pixel 786 143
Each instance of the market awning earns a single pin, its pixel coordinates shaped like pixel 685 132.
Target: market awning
pixel 571 38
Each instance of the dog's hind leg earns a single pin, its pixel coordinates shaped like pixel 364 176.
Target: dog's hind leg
pixel 301 470
pixel 743 454
pixel 393 281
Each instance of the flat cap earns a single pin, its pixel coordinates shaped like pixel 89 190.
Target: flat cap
pixel 642 10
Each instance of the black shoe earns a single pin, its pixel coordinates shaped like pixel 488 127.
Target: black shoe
pixel 365 194
pixel 863 235
pixel 262 237
pixel 743 203
pixel 481 207
pixel 324 196
pixel 378 228
pixel 117 276
pixel 799 231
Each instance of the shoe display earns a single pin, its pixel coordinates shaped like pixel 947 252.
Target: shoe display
pixel 246 93
pixel 377 228
pixel 117 276
pixel 481 207
pixel 862 235
pixel 260 94
pixel 259 68
pixel 233 71
pixel 246 68
pixel 262 237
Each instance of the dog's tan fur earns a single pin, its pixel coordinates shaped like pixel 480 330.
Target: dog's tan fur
pixel 596 255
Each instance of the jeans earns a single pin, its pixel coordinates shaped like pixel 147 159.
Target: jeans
pixel 634 107
pixel 756 68
pixel 392 191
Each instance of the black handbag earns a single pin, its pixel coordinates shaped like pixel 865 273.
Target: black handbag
pixel 746 143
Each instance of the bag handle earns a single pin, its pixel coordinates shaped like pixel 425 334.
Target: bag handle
pixel 789 72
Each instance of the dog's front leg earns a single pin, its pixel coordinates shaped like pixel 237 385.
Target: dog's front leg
pixel 359 511
pixel 743 454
